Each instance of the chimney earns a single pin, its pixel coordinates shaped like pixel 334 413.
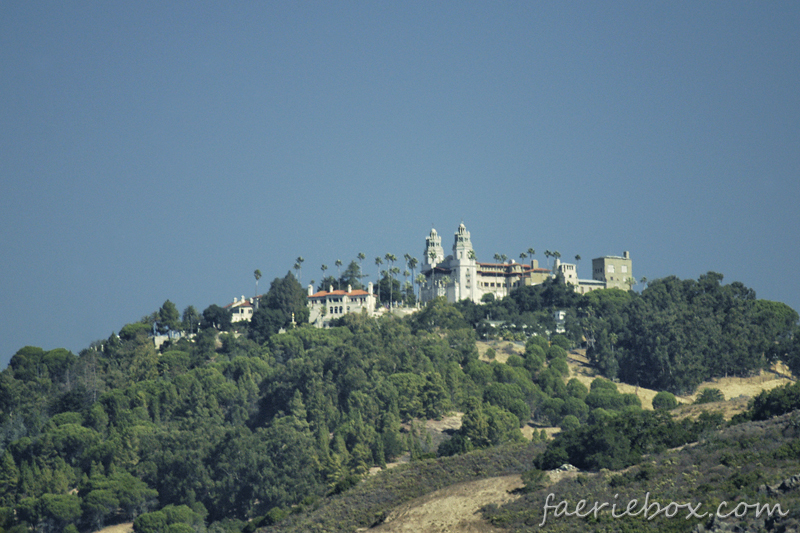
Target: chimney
pixel 369 287
pixel 349 289
pixel 330 288
pixel 626 255
pixel 310 290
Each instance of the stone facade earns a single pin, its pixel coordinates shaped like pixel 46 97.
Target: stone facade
pixel 461 276
pixel 325 306
pixel 615 271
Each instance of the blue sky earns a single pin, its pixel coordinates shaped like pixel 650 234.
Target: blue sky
pixel 165 150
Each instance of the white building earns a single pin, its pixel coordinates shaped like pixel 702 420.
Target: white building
pixel 461 276
pixel 325 306
pixel 241 309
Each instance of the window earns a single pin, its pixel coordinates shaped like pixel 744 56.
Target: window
pixel 624 268
pixel 611 268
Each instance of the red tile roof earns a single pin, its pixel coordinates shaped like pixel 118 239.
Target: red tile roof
pixel 240 303
pixel 322 294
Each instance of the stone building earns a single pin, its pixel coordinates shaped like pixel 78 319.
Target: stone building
pixel 325 306
pixel 613 270
pixel 460 275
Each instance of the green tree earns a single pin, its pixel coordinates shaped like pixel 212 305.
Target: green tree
pixel 361 256
pixel 257 275
pixel 168 318
pixel 338 264
pixel 665 400
pixel 284 303
pixel 217 317
pixel 191 319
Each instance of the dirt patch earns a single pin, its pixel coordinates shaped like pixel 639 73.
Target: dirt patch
pixel 452 509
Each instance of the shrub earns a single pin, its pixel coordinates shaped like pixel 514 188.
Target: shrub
pixel 515 360
pixel 555 352
pixel 560 340
pixel 709 395
pixel 560 365
pixel 570 422
pixel 665 400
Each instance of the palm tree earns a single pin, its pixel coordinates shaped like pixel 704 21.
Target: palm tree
pixel 504 258
pixel 432 255
pixel 324 267
pixel 643 281
pixel 548 254
pixel 531 252
pixel 444 282
pixel 390 259
pixel 406 273
pixel 298 265
pixel 412 264
pixel 393 271
pixel 522 256
pixel 420 279
pixel 338 264
pixel 378 263
pixel 361 258
pixel 257 275
pixel 497 257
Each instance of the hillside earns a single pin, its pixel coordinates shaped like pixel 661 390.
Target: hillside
pixel 457 508
pixel 248 424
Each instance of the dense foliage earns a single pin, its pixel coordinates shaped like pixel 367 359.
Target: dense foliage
pixel 228 422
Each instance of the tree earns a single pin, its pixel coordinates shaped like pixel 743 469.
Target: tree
pixel 420 279
pixel 412 264
pixel 217 317
pixel 257 275
pixel 523 256
pixel 497 257
pixel 191 319
pixel 324 267
pixel 361 258
pixel 284 302
pixel 432 255
pixel 390 259
pixel 298 265
pixel 168 318
pixel 351 276
pixel 378 263
pixel 665 400
pixel 338 264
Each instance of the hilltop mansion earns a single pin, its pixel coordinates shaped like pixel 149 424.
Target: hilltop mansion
pixel 460 275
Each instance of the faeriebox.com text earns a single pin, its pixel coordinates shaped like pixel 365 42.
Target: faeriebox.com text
pixel 650 510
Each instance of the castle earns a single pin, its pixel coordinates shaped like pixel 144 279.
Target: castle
pixel 461 276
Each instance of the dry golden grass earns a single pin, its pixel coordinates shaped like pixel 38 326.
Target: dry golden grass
pixel 118 528
pixel 452 509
